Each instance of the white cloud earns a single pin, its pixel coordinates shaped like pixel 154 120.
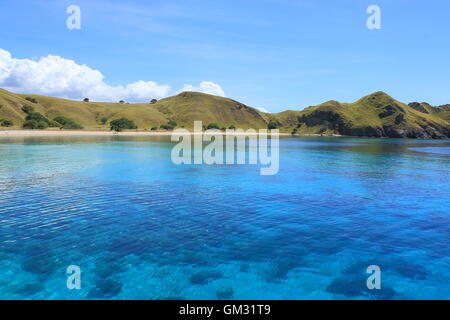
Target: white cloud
pixel 206 87
pixel 262 109
pixel 57 76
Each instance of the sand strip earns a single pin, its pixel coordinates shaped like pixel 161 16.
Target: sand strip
pixel 62 133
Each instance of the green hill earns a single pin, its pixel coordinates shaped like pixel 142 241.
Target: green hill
pixel 375 115
pixel 183 108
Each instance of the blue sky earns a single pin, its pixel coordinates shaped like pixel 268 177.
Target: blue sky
pixel 276 54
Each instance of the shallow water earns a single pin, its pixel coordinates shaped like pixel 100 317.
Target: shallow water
pixel 141 227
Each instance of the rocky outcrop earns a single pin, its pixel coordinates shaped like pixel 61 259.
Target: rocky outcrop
pixel 398 132
pixel 389 110
pixel 334 121
pixel 418 106
pixel 377 115
pixel 329 119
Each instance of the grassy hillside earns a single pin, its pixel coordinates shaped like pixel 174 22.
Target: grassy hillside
pixel 375 115
pixel 187 107
pixel 183 108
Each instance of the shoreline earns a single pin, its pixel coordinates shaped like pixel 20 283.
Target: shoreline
pixel 68 133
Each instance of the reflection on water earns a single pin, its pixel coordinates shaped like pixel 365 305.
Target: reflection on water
pixel 140 227
pixel 438 150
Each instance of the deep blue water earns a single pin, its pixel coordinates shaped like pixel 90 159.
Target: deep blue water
pixel 140 227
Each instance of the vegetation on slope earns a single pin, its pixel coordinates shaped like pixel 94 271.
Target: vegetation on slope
pixel 6 123
pixel 122 124
pixel 375 115
pixel 35 120
pixel 182 109
pixel 66 123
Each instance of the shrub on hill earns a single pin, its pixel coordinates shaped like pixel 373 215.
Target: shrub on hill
pixel 66 123
pixel 27 109
pixel 121 124
pixel 30 124
pixel 86 100
pixel 153 101
pixel 33 124
pixel 37 117
pixel 6 123
pixel 273 125
pixel 169 126
pixel 213 126
pixel 33 100
pixel 35 120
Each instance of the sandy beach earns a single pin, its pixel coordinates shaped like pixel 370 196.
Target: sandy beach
pixel 60 133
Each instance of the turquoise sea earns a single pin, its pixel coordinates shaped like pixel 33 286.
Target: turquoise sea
pixel 140 227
